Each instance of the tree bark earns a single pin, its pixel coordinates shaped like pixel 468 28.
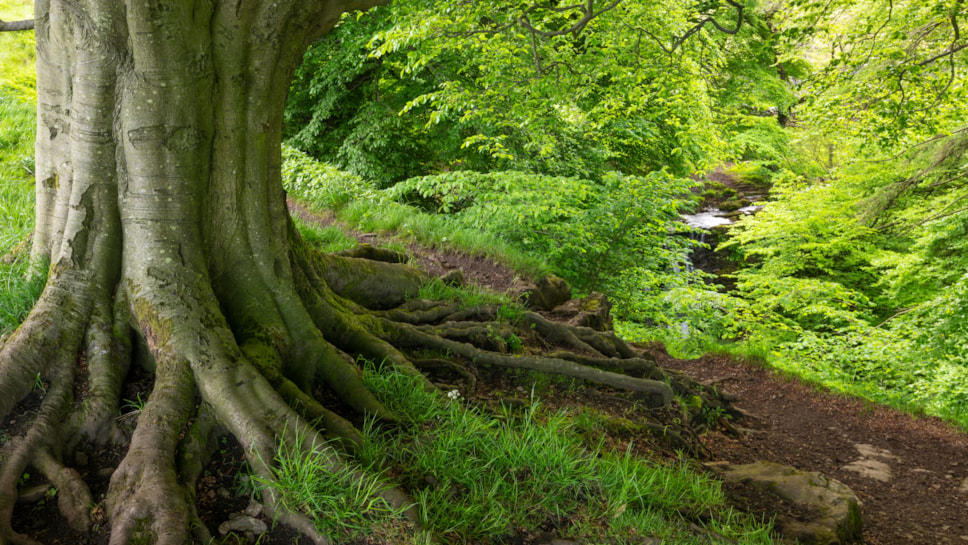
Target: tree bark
pixel 161 215
pixel 15 26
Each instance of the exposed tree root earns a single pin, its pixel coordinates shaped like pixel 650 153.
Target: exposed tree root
pixel 211 378
pixel 171 251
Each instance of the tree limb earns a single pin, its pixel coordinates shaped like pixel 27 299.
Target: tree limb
pixel 709 19
pixel 589 13
pixel 14 26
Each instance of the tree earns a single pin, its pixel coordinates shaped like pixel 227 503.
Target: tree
pixel 887 73
pixel 571 89
pixel 161 214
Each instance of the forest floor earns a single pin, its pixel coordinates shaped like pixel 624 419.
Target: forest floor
pixel 918 496
pixel 924 499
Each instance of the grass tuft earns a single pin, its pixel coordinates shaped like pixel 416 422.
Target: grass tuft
pixel 478 476
pixel 343 504
pixel 19 288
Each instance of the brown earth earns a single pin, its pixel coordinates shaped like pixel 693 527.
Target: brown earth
pixel 782 420
pixel 799 425
pixel 802 426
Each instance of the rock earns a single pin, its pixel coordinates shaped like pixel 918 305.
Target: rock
pixel 870 451
pixel 549 292
pixel 839 517
pixel 254 509
pixel 868 467
pixel 244 524
pixel 733 204
pixel 872 469
pixel 964 487
pixel 454 277
pixel 34 493
pixel 594 311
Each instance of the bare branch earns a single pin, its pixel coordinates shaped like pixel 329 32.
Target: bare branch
pixel 947 53
pixel 669 50
pixel 473 32
pixel 589 13
pixel 14 26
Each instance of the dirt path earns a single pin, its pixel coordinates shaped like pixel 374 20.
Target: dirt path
pixel 924 500
pixel 919 497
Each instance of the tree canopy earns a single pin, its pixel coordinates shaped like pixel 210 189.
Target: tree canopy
pixel 571 90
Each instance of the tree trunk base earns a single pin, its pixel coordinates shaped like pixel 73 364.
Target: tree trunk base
pixel 172 431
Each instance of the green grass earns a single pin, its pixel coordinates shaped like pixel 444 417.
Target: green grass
pixel 18 289
pixel 305 481
pixel 468 297
pixel 17 126
pixel 329 239
pixel 18 292
pixel 875 365
pixel 476 476
pixel 358 204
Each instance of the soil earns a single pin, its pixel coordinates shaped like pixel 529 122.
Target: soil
pixel 782 420
pixel 799 425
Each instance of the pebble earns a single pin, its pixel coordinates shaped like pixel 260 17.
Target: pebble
pixel 254 509
pixel 34 493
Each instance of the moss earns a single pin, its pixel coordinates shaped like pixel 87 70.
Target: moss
pixel 717 190
pixel 622 426
pixel 733 204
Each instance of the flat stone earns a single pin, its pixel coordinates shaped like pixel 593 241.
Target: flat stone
pixel 839 516
pixel 870 451
pixel 872 469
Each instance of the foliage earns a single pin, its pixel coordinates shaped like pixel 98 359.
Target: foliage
pixel 321 184
pixel 496 86
pixel 343 105
pixel 809 229
pixel 888 73
pixel 361 205
pixel 755 98
pixel 612 235
pixel 857 281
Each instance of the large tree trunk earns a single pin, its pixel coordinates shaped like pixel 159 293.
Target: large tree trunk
pixel 161 214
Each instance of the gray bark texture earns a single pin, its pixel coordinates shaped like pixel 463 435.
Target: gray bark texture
pixel 161 215
pixel 15 26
